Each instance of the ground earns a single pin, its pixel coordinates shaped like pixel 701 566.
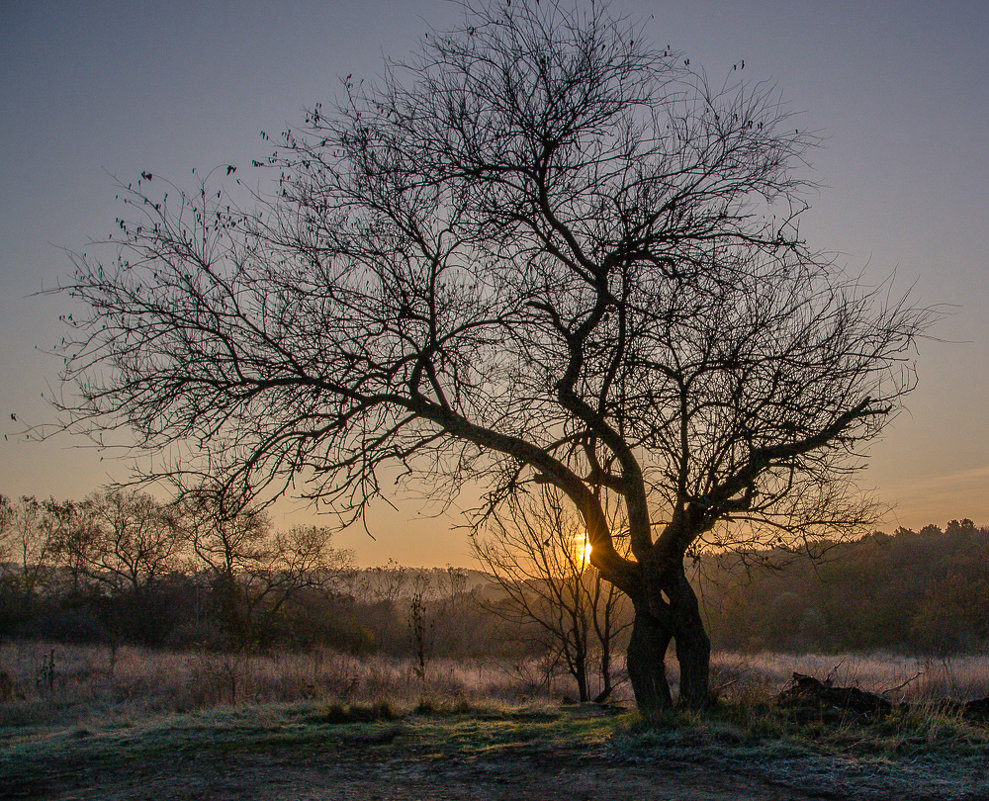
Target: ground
pixel 295 752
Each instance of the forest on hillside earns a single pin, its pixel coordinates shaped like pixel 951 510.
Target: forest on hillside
pixel 911 592
pixel 121 568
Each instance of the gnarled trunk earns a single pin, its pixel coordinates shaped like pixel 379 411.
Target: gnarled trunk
pixel 693 647
pixel 677 618
pixel 646 660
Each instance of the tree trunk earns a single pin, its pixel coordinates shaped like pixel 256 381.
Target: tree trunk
pixel 603 631
pixel 580 674
pixel 646 663
pixel 693 647
pixel 673 617
pixel 603 696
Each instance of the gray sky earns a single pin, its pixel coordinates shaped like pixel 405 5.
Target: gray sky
pixel 899 91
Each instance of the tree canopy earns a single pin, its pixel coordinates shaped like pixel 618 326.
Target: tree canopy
pixel 537 250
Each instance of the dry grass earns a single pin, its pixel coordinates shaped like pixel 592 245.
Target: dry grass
pixel 900 679
pixel 70 708
pixel 924 722
pixel 55 683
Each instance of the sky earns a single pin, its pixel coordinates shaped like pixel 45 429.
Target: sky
pixel 898 91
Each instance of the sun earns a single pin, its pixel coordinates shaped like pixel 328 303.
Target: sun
pixel 582 549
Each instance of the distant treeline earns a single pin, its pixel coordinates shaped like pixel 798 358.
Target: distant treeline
pixel 912 592
pixel 121 567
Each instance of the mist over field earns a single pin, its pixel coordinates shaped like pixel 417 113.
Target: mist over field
pixel 146 582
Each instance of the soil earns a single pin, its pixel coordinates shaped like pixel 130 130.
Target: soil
pixel 393 762
pixel 351 775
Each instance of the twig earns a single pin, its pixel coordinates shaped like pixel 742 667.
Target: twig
pixel 904 684
pixel 830 677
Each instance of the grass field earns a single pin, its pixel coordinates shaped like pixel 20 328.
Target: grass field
pixel 133 724
pixel 306 750
pixel 47 682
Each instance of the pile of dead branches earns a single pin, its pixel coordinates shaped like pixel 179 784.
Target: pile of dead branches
pixel 810 696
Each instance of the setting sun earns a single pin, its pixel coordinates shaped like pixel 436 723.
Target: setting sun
pixel 582 548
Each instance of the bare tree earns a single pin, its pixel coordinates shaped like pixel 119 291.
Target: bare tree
pixel 27 543
pixel 255 570
pixel 8 517
pixel 538 554
pixel 69 536
pixel 132 544
pixel 537 251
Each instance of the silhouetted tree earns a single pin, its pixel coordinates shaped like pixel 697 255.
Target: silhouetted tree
pixel 132 541
pixel 26 559
pixel 255 571
pixel 69 538
pixel 7 516
pixel 537 251
pixel 537 552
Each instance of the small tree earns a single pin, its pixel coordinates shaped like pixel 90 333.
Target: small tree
pixel 7 517
pixel 539 557
pixel 537 251
pixel 70 536
pixel 27 558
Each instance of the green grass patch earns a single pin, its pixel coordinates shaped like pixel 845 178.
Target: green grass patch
pixel 770 729
pixel 355 713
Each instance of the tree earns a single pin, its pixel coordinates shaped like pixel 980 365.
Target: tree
pixel 255 572
pixel 132 543
pixel 538 251
pixel 8 514
pixel 69 536
pixel 26 559
pixel 538 555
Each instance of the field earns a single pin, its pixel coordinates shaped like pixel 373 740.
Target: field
pixel 81 722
